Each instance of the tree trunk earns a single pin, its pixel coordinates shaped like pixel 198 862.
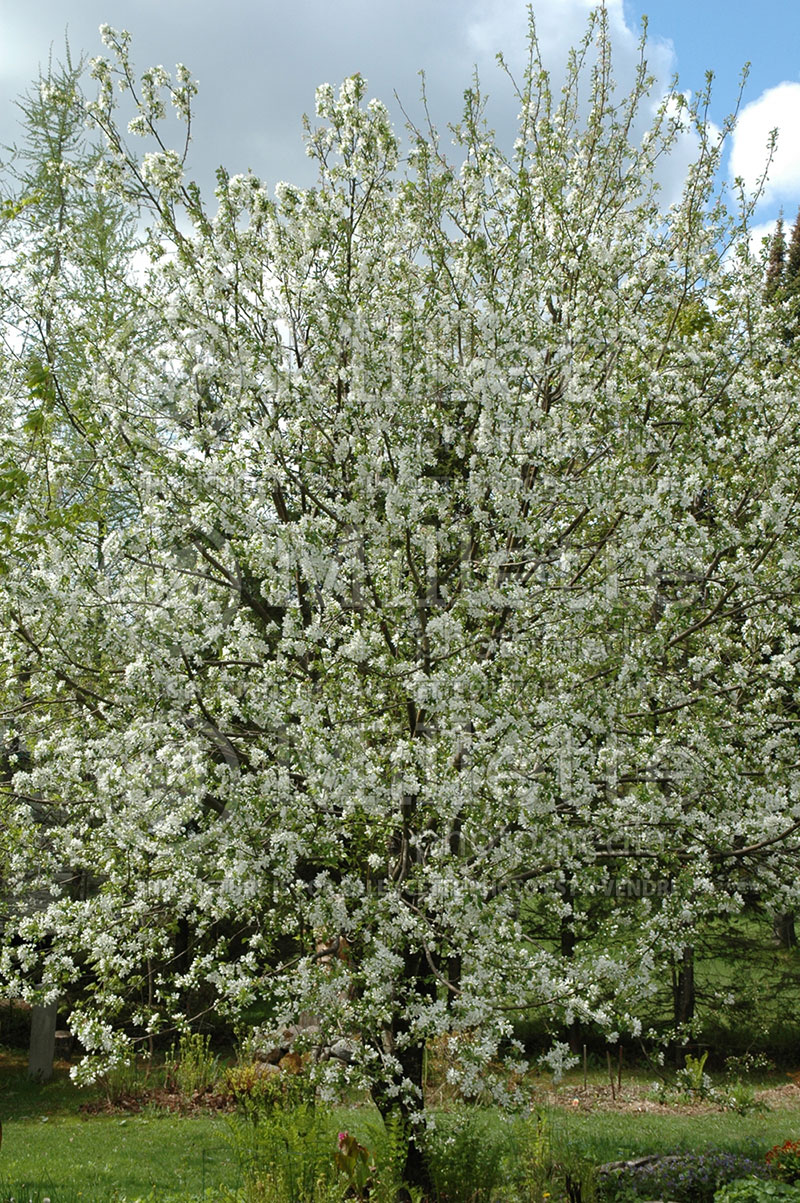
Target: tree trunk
pixel 43 1042
pixel 683 997
pixel 415 1172
pixel 405 1109
pixel 783 927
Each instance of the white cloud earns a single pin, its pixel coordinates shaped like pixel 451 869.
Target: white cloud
pixel 560 24
pixel 777 108
pixel 501 25
pixel 757 234
pixel 258 63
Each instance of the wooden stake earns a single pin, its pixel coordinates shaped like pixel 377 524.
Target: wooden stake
pixel 610 1073
pixel 584 1068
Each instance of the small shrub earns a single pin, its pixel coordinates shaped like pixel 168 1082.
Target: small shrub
pixel 692 1084
pixel 257 1089
pixel 465 1153
pixel 530 1163
pixel 743 1064
pixel 191 1067
pixel 287 1156
pixel 739 1097
pixel 693 1079
pixel 784 1161
pixel 123 1084
pixel 355 1164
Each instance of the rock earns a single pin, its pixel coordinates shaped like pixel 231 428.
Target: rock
pixel 343 1050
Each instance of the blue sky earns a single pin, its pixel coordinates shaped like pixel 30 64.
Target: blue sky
pixel 720 36
pixel 258 62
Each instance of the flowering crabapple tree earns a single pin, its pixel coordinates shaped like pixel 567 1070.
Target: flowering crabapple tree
pixel 435 558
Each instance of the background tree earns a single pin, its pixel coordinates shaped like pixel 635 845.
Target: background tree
pixel 776 265
pixel 793 256
pixel 454 531
pixel 782 282
pixel 69 305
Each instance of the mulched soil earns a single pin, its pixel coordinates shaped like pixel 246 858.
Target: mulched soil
pixel 160 1099
pixel 634 1098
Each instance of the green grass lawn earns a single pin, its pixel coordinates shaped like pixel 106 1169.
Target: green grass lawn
pixel 103 1158
pixel 610 1136
pixel 52 1150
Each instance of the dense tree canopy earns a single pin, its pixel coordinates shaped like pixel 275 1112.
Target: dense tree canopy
pixel 389 569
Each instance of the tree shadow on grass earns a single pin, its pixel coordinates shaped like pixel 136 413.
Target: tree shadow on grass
pixel 21 1098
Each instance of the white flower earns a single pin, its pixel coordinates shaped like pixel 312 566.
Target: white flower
pixel 163 169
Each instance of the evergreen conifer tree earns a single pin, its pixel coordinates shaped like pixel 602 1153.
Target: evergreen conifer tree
pixel 792 269
pixel 776 266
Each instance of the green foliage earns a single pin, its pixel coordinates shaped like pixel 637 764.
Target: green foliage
pixel 776 266
pixel 577 1178
pixel 257 1091
pixel 693 1077
pixel 191 1066
pixel 693 1084
pixel 122 1083
pixel 465 1151
pixel 784 1161
pixel 740 1097
pixel 756 1190
pixel 355 1164
pixel 530 1162
pixel 11 209
pixel 692 319
pixel 39 380
pixel 287 1156
pixel 793 258
pixel 389 1140
pixel 12 479
pixel 740 1065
